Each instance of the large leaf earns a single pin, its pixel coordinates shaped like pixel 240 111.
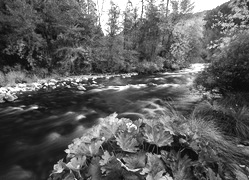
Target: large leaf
pixel 76 163
pixel 180 166
pixel 106 157
pixel 135 162
pixel 109 126
pixel 154 167
pixel 159 176
pixel 94 169
pixel 81 147
pixel 59 167
pixel 69 176
pixel 109 163
pixel 156 133
pixel 127 142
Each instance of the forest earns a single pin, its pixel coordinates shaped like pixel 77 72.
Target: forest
pixel 61 38
pixel 45 38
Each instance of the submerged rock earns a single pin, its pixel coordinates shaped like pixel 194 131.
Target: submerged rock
pixel 18 173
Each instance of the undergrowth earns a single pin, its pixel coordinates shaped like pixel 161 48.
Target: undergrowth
pixel 229 113
pixel 161 148
pixel 13 77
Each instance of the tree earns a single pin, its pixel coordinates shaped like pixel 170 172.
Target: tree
pixel 50 34
pixel 213 29
pixel 128 24
pixel 74 44
pixel 114 43
pixel 228 71
pixel 19 20
pixel 149 33
pixel 174 44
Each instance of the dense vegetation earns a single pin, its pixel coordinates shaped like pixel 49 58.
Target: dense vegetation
pixel 67 37
pixel 163 148
pixel 228 49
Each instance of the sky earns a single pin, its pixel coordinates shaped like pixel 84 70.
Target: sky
pixel 200 5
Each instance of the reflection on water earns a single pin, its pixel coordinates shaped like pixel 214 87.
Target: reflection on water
pixel 35 130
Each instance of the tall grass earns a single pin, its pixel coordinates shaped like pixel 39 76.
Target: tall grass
pixel 231 117
pixel 226 147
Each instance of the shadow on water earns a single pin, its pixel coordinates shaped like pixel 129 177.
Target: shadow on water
pixel 35 129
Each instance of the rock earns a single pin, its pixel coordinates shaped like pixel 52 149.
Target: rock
pixel 3 90
pixel 53 80
pixel 81 88
pixel 2 98
pixel 151 84
pixel 11 89
pixel 51 83
pixel 85 79
pixel 79 117
pixel 20 85
pixel 53 136
pixel 74 83
pixel 94 85
pixel 10 97
pixel 17 173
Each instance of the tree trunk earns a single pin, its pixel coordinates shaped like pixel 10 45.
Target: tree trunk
pixel 142 12
pixel 167 8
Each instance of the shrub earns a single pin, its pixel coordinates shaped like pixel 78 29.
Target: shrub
pixel 13 77
pixel 41 72
pixel 229 71
pixel 150 67
pixel 164 148
pixel 2 79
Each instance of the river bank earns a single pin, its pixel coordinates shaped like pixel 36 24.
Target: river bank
pixel 11 93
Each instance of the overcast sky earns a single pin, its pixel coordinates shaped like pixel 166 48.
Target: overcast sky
pixel 200 5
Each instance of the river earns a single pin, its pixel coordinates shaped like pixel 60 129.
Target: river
pixel 37 127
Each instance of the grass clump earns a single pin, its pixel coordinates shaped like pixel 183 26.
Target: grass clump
pixel 230 115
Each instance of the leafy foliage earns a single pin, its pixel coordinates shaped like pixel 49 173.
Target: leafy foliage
pixel 228 71
pixel 66 37
pixel 159 149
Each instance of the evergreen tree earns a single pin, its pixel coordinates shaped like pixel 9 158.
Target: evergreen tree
pixel 149 33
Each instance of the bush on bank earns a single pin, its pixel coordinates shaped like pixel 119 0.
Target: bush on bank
pixel 229 70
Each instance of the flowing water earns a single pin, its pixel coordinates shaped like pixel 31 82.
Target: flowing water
pixel 36 128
